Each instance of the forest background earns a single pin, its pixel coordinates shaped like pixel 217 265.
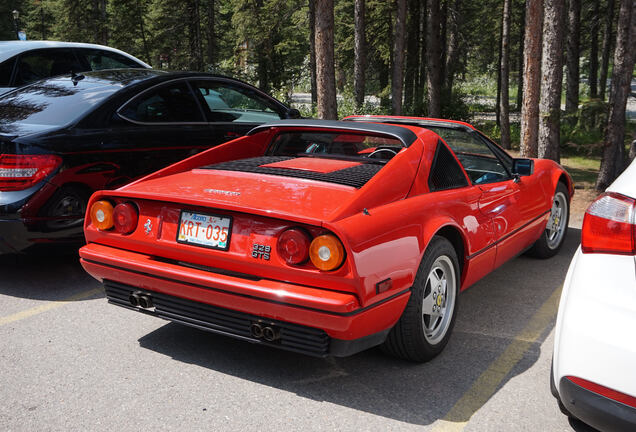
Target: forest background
pixel 548 78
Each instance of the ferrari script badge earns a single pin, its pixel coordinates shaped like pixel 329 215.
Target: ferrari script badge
pixel 148 226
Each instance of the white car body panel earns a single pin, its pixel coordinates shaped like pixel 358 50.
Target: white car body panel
pixel 9 49
pixel 595 333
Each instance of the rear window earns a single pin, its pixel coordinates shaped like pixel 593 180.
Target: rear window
pixel 6 70
pixel 55 102
pixel 334 144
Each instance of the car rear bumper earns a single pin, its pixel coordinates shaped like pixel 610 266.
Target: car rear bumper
pixel 347 325
pixel 596 410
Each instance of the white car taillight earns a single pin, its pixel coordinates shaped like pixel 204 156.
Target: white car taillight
pixel 608 225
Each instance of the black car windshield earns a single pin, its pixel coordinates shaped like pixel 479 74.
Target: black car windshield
pixel 335 145
pixel 52 102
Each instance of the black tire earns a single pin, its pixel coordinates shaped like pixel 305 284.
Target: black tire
pixel 409 338
pixel 544 247
pixel 67 201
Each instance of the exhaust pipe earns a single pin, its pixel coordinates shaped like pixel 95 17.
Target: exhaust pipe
pixel 134 299
pixel 270 334
pixel 145 302
pixel 257 330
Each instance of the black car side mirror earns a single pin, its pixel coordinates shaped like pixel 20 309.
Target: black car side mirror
pixel 293 113
pixel 522 167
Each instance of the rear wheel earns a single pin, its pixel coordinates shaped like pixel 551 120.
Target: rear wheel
pixel 553 237
pixel 67 207
pixel 428 319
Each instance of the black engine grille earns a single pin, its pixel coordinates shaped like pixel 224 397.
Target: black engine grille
pixel 356 176
pixel 293 337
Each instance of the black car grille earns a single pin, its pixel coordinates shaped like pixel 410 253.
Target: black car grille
pixel 356 176
pixel 293 337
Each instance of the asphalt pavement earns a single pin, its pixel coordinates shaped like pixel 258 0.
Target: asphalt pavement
pixel 71 362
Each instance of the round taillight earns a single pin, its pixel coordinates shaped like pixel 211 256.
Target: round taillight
pixel 326 252
pixel 125 217
pixel 102 215
pixel 293 246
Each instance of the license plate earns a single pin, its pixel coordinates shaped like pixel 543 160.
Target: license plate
pixel 204 230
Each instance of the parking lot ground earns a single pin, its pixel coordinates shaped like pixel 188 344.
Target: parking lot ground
pixel 70 361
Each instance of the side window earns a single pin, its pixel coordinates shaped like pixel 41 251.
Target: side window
pixel 6 70
pixel 227 103
pixel 99 60
pixel 445 172
pixel 40 64
pixel 167 104
pixel 481 164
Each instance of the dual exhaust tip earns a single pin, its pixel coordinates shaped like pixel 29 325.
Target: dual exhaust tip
pixel 268 332
pixel 140 299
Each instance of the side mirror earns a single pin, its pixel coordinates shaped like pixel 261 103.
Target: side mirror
pixel 293 113
pixel 522 167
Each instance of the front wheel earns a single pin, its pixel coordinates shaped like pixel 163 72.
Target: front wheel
pixel 428 319
pixel 553 237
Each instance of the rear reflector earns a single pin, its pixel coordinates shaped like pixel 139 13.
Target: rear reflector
pixel 608 225
pixel 19 172
pixel 604 391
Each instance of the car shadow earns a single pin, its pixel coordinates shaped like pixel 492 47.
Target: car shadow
pixel 50 274
pixel 491 314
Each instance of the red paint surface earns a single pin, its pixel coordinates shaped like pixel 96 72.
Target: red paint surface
pixel 313 164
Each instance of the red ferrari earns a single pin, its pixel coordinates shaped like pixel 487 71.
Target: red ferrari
pixel 326 237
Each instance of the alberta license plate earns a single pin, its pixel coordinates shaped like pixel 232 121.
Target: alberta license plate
pixel 204 230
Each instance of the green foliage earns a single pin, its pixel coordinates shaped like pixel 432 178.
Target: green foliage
pixel 582 131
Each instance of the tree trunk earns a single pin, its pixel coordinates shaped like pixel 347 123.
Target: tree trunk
pixel 421 79
pixel 551 80
pixel 412 55
pixel 143 34
pixel 103 21
pixel 211 48
pixel 443 22
pixel 312 50
pixel 532 79
pixel 452 51
pixel 397 80
pixel 433 60
pixel 607 48
pixel 360 53
pixel 325 73
pixel 593 73
pixel 522 26
pixel 498 98
pixel 504 71
pixel 574 34
pixel 612 163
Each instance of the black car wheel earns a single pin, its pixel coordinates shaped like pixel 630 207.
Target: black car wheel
pixel 428 319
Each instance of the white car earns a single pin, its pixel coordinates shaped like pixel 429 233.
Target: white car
pixel 594 363
pixel 22 62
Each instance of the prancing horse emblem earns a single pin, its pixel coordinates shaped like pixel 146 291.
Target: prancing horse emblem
pixel 148 226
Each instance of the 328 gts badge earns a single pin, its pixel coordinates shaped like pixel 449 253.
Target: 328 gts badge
pixel 260 251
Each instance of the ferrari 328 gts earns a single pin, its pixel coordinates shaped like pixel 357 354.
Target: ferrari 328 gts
pixel 326 237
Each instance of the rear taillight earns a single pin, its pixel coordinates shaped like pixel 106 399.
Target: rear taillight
pixel 18 172
pixel 326 252
pixel 608 225
pixel 125 218
pixel 102 215
pixel 293 246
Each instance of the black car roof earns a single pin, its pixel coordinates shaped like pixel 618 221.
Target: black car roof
pixel 406 136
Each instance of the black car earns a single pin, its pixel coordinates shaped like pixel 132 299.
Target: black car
pixel 65 137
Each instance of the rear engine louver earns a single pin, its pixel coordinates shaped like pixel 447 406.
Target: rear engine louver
pixel 356 176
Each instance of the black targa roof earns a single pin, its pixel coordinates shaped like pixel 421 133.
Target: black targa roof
pixel 406 136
